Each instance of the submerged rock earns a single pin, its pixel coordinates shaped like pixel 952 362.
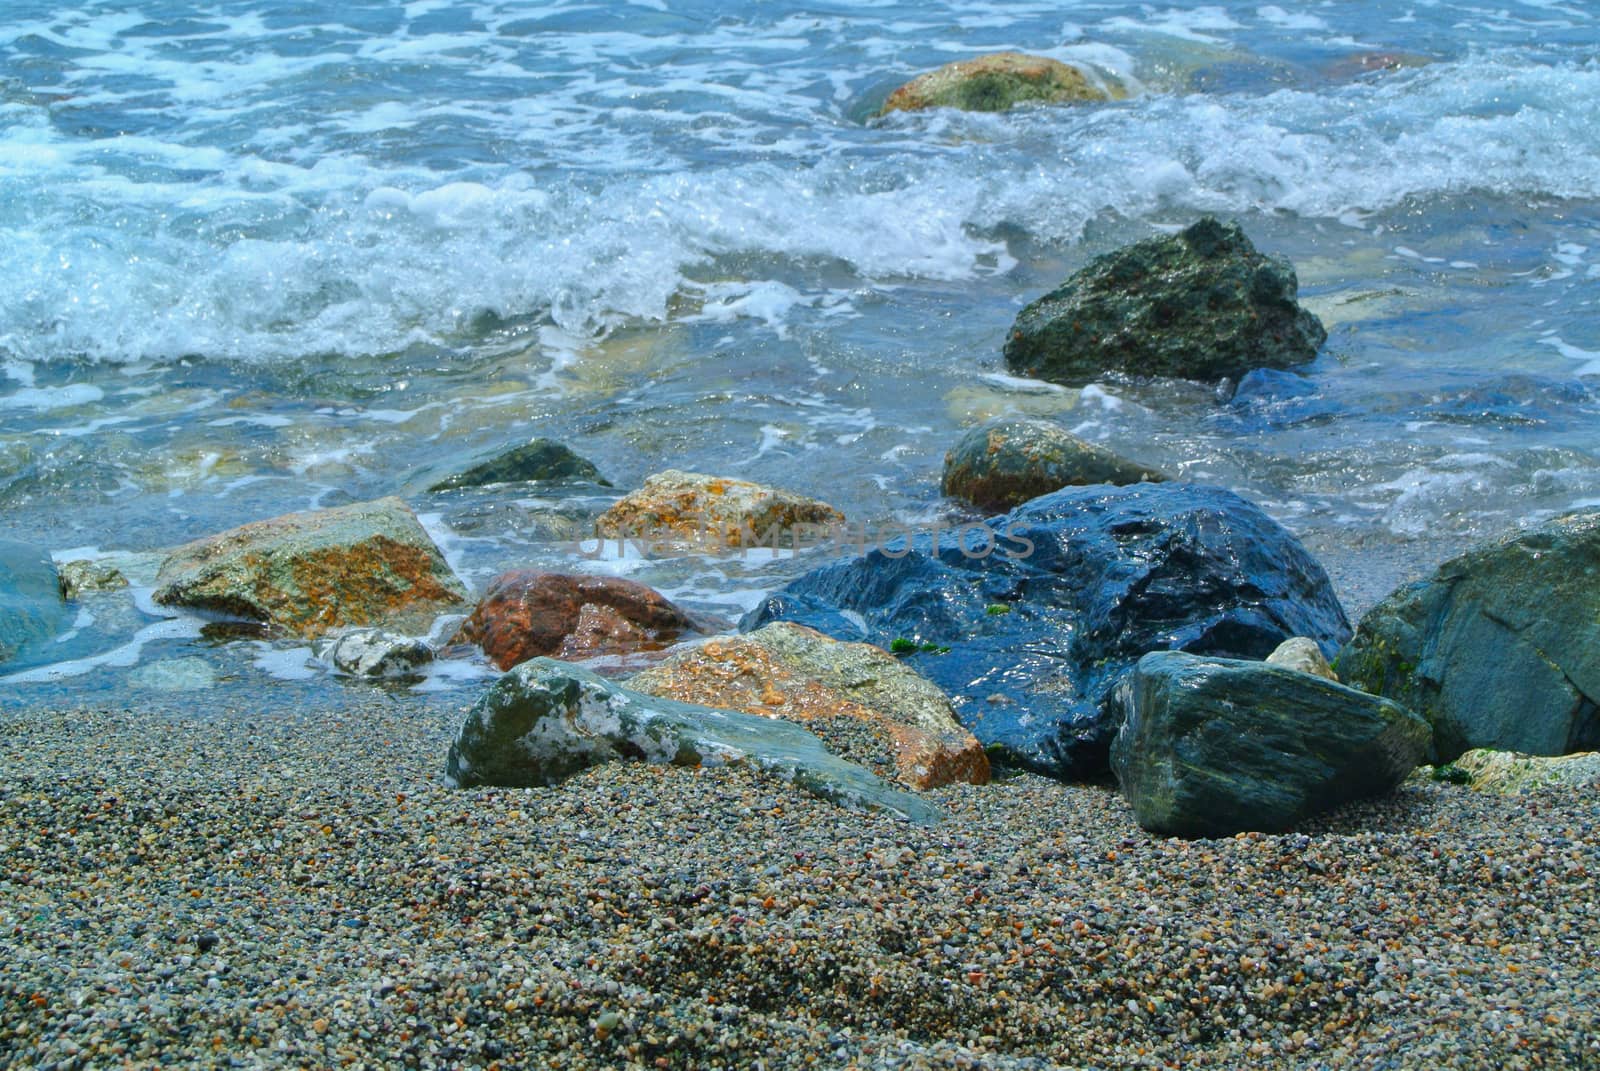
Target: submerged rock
pixel 536 461
pixel 1210 747
pixel 1003 463
pixel 189 674
pixel 31 606
pixel 1499 648
pixel 310 573
pixel 527 613
pixel 1303 656
pixel 78 577
pixel 996 82
pixel 1201 304
pixel 546 720
pixel 866 705
pixel 712 512
pixel 1030 638
pixel 375 654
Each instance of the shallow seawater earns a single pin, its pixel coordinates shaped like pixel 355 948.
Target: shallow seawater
pixel 261 257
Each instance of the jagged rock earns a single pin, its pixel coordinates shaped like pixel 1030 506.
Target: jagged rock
pixel 1499 648
pixel 1304 656
pixel 676 508
pixel 1210 747
pixel 1003 463
pixel 31 607
pixel 536 461
pixel 546 720
pixel 996 82
pixel 1201 304
pixel 1029 639
pixel 376 654
pixel 866 705
pixel 310 573
pixel 527 613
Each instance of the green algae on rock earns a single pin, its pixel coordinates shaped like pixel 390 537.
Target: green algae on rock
pixel 1499 648
pixel 1202 304
pixel 1004 463
pixel 1509 773
pixel 536 461
pixel 310 573
pixel 546 720
pixel 996 82
pixel 1210 747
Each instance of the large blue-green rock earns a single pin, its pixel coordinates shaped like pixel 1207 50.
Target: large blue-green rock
pixel 1210 747
pixel 1499 648
pixel 31 607
pixel 1030 638
pixel 546 720
pixel 1201 304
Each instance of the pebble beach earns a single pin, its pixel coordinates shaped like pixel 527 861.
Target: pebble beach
pixel 187 888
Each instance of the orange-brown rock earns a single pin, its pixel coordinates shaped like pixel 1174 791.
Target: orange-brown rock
pixel 713 512
pixel 527 613
pixel 995 82
pixel 309 573
pixel 864 703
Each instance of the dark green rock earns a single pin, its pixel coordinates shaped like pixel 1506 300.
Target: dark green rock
pixel 1201 305
pixel 1210 747
pixel 538 460
pixel 1004 463
pixel 546 720
pixel 31 607
pixel 1499 648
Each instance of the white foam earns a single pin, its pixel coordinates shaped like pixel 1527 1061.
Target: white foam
pixel 120 657
pixel 286 664
pixel 42 399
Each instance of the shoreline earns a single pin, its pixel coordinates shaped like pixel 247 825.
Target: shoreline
pixel 220 888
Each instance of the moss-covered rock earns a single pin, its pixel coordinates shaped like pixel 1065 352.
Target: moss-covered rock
pixel 996 82
pixel 536 461
pixel 1003 463
pixel 709 513
pixel 1202 304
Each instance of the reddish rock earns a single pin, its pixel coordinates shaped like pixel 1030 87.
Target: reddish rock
pixel 865 704
pixel 527 613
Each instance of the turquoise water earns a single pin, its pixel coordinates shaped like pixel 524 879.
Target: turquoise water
pixel 262 257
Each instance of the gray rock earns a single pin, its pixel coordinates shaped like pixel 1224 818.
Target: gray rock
pixel 536 461
pixel 1499 648
pixel 1507 773
pixel 1302 654
pixel 1202 305
pixel 546 720
pixel 376 654
pixel 188 674
pixel 31 607
pixel 1004 463
pixel 1210 747
pixel 80 576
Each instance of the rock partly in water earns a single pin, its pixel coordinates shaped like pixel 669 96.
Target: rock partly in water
pixel 536 461
pixel 1201 305
pixel 310 573
pixel 1507 773
pixel 711 513
pixel 1303 656
pixel 32 609
pixel 375 654
pixel 1003 463
pixel 1028 620
pixel 866 704
pixel 78 577
pixel 996 82
pixel 189 674
pixel 546 720
pixel 1210 747
pixel 1499 648
pixel 527 613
